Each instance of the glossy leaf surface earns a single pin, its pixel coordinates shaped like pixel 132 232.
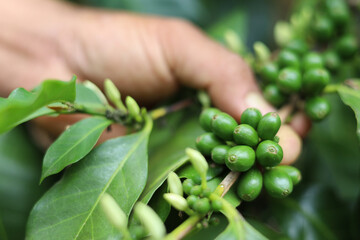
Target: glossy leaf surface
pixel 21 104
pixel 73 144
pixel 70 209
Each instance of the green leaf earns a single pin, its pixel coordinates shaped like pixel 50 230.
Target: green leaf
pixel 73 144
pixel 231 232
pixel 21 104
pixel 20 164
pixel 159 204
pixel 170 155
pixel 86 96
pixel 312 214
pixel 70 209
pixel 351 97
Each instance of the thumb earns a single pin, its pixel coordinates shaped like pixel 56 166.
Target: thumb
pixel 205 64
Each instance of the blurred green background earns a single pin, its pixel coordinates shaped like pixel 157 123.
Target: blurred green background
pixel 324 206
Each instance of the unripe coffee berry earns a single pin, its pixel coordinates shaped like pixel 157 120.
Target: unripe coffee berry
pixel 332 61
pixel 312 60
pixel 219 153
pixel 297 46
pixel 269 72
pixel 317 108
pixel 240 158
pixel 206 117
pixel 273 95
pixel 268 126
pixel 289 80
pixel 293 173
pixel 323 28
pixel 347 46
pixel 315 80
pixel 223 125
pixel 202 205
pixel 191 200
pixel 277 183
pixel 287 58
pixel 269 153
pixel 206 142
pixel 196 190
pixel 250 185
pixel 251 116
pixel 246 135
pixel 188 184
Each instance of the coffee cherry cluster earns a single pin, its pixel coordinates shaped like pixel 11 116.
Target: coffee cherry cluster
pixel 302 68
pixel 296 71
pixel 198 198
pixel 251 147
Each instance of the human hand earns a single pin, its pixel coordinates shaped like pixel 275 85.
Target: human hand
pixel 147 58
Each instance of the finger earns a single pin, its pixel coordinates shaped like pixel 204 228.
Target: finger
pixel 301 124
pixel 204 64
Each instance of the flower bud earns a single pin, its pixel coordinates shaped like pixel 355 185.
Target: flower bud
pixel 233 41
pixel 262 52
pixel 198 161
pixel 283 33
pixel 133 108
pixel 176 201
pixel 113 93
pixel 150 220
pixel 113 212
pixel 175 184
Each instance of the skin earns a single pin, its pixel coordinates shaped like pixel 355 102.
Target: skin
pixel 147 57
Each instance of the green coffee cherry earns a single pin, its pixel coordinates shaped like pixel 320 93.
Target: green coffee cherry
pixel 218 154
pixel 277 183
pixel 196 190
pixel 347 46
pixel 268 126
pixel 315 80
pixel 216 205
pixel 191 200
pixel 188 184
pixel 223 125
pixel 206 192
pixel 177 201
pixel 250 185
pixel 317 108
pixel 251 116
pixel 150 220
pixel 298 46
pixel 287 58
pixel 206 142
pixel 246 135
pixel 323 28
pixel 174 184
pixel 240 158
pixel 338 11
pixel 206 117
pixel 312 60
pixel 202 205
pixel 293 172
pixel 269 72
pixel 331 60
pixel 274 96
pixel 269 153
pixel 289 80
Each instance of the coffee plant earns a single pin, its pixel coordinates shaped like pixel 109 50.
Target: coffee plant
pixel 183 170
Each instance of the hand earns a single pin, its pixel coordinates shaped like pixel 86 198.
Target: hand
pixel 147 57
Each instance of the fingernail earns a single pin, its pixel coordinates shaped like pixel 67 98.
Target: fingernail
pixel 256 100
